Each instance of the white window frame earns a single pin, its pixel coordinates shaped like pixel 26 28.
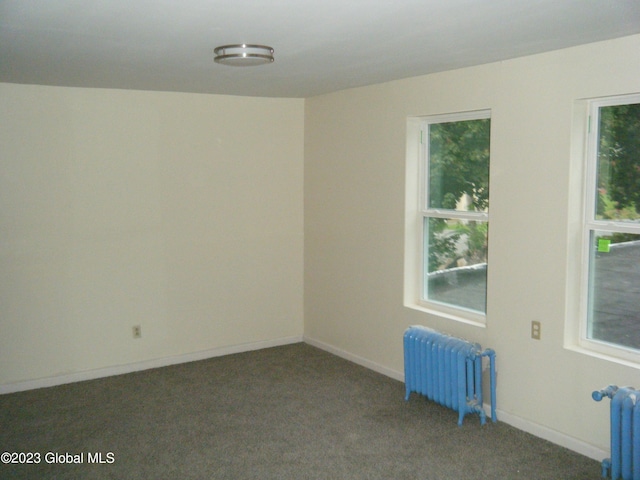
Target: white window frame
pixel 591 224
pixel 417 211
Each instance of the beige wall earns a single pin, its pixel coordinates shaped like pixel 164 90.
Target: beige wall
pixel 178 212
pixel 184 213
pixel 354 227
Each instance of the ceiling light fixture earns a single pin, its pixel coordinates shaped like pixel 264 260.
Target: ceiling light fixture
pixel 243 55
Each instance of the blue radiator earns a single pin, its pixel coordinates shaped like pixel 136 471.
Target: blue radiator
pixel 447 370
pixel 625 432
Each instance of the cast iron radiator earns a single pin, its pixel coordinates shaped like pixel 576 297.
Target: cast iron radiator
pixel 447 370
pixel 625 432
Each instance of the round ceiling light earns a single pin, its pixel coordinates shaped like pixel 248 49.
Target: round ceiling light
pixel 243 55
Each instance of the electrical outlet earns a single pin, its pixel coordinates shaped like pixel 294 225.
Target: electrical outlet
pixel 536 330
pixel 137 331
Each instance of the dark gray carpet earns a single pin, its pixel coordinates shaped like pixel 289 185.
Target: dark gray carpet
pixel 292 412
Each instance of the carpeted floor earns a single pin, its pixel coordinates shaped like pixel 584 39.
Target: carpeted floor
pixel 291 412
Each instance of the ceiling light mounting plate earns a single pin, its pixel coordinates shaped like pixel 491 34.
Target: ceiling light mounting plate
pixel 243 55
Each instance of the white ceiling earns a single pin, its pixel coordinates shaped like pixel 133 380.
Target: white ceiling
pixel 320 45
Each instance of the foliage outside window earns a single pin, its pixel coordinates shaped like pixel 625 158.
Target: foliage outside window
pixel 612 224
pixel 455 211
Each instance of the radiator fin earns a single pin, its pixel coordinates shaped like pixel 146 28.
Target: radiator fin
pixel 625 432
pixel 447 370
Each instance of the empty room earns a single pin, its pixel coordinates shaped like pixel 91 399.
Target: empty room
pixel 220 220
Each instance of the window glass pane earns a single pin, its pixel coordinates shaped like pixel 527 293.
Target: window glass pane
pixel 618 183
pixel 458 176
pixel 614 289
pixel 456 262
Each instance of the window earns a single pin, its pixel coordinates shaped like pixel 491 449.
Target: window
pixel 453 214
pixel 611 239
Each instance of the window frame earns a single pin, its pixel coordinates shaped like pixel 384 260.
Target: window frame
pixel 423 212
pixel 590 224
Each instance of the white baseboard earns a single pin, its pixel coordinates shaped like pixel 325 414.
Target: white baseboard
pixel 144 365
pixel 538 430
pixel 553 436
pixel 541 431
pixel 356 359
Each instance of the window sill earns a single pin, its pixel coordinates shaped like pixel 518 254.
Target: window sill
pixel 603 356
pixel 470 318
